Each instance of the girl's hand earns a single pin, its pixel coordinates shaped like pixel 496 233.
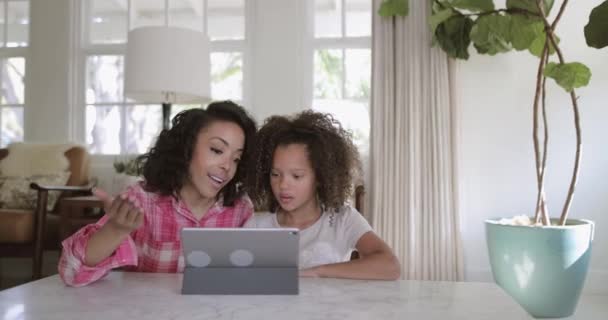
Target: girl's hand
pixel 123 216
pixel 310 273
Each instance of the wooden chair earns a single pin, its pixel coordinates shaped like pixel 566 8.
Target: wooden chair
pixel 360 198
pixel 26 233
pixel 359 205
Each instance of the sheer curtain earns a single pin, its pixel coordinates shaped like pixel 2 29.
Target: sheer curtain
pixel 413 188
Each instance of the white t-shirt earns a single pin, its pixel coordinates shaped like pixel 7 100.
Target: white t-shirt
pixel 330 239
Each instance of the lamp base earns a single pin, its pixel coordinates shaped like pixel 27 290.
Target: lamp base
pixel 166 115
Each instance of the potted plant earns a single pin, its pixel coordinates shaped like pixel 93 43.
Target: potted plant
pixel 541 262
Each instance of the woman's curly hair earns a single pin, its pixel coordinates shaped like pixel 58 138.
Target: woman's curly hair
pixel 166 167
pixel 331 152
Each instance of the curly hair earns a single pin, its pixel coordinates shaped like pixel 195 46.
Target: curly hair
pixel 166 166
pixel 331 152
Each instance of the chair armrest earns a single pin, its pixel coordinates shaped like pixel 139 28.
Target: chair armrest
pixel 36 186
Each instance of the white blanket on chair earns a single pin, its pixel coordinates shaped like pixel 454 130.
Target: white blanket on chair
pixel 27 159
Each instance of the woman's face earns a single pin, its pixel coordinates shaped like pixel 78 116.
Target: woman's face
pixel 216 155
pixel 292 178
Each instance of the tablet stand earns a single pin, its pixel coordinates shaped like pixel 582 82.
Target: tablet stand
pixel 240 280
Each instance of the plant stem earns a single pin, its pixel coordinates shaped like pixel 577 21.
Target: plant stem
pixel 560 13
pixel 537 156
pixel 549 30
pixel 510 10
pixel 544 209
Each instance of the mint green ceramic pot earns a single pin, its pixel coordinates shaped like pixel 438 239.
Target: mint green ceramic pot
pixel 542 268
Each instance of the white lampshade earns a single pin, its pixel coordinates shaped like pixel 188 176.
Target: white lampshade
pixel 167 64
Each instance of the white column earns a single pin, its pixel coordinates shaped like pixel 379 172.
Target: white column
pixel 47 110
pixel 277 57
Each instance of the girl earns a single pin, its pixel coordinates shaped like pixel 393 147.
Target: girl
pixel 302 173
pixel 191 179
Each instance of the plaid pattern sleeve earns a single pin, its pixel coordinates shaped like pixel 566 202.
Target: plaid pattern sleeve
pixel 156 245
pixel 71 267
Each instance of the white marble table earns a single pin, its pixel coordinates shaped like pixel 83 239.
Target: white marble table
pixel 157 296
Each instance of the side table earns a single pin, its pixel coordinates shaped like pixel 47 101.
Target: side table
pixel 77 212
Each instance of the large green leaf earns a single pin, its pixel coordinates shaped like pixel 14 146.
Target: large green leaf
pixel 453 36
pixel 439 17
pixel 390 8
pixel 537 46
pixel 596 31
pixel 491 34
pixel 524 31
pixel 529 5
pixel 568 75
pixel 473 5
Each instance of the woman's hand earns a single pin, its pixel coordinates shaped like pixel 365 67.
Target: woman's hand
pixel 123 216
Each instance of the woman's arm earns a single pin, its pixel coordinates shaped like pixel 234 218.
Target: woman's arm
pixel 123 218
pixel 377 262
pixel 82 257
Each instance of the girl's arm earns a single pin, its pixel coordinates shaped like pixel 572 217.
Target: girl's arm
pixel 377 262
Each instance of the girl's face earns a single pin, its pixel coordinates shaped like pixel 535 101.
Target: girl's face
pixel 216 156
pixel 292 178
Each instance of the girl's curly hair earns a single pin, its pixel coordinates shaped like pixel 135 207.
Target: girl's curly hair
pixel 331 152
pixel 166 166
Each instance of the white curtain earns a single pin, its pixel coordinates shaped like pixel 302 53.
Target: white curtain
pixel 413 196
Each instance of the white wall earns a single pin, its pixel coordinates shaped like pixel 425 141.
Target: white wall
pixel 496 159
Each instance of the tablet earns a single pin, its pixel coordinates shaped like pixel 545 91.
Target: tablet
pixel 240 247
pixel 240 261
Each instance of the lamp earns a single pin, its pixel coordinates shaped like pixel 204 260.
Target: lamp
pixel 167 65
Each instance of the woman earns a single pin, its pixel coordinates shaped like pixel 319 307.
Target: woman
pixel 192 178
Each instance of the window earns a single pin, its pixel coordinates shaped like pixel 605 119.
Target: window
pixel 14 38
pixel 342 64
pixel 117 125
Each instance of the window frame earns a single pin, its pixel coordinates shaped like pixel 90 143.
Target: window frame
pixel 83 49
pixel 15 52
pixel 343 43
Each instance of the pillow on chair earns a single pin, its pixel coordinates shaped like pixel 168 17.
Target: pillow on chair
pixel 15 192
pixel 27 159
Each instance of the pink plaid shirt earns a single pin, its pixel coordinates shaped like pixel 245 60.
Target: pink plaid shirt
pixel 156 245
